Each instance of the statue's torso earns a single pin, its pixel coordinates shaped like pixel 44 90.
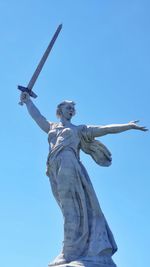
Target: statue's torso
pixel 66 137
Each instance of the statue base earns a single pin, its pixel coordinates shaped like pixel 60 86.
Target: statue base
pixel 84 264
pixel 105 262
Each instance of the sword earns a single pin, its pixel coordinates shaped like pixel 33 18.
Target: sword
pixel 36 73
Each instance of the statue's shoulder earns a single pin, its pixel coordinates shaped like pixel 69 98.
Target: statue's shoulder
pixel 53 125
pixel 81 127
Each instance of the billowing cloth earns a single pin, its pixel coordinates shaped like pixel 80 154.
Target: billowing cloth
pixel 96 149
pixel 86 232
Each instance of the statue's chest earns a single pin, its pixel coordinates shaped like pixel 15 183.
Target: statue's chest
pixel 63 134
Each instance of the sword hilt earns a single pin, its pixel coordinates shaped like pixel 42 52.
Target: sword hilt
pixel 26 89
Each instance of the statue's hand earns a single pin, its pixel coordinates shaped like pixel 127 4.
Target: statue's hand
pixel 24 97
pixel 135 126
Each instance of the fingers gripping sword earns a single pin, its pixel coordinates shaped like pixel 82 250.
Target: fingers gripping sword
pixel 35 75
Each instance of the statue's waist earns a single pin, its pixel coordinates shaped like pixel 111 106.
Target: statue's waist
pixel 65 152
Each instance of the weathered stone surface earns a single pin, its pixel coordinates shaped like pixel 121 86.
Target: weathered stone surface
pixel 88 240
pixel 86 231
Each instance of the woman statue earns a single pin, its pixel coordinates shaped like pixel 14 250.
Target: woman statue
pixel 87 236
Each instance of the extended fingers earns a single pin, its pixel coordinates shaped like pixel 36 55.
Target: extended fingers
pixel 143 128
pixel 138 127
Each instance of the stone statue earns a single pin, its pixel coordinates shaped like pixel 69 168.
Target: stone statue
pixel 88 240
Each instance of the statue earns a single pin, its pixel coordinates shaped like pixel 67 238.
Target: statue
pixel 88 240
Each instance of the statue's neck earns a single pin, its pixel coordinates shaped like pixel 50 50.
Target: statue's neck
pixel 66 123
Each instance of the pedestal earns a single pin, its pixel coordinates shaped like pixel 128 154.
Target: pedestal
pixel 105 262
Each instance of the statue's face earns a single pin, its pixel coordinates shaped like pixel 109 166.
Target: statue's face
pixel 67 111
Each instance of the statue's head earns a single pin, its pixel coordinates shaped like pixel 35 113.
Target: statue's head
pixel 66 109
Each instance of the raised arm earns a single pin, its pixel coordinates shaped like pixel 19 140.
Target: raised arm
pixel 35 113
pixel 97 131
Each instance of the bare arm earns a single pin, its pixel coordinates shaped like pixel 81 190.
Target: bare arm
pixel 35 113
pixel 116 128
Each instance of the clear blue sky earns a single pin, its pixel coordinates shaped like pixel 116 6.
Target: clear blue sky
pixel 101 60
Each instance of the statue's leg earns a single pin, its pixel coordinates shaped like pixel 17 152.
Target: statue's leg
pixel 73 217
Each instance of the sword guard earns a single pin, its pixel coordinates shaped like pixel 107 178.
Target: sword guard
pixel 25 89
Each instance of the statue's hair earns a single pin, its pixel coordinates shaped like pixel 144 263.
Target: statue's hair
pixel 59 107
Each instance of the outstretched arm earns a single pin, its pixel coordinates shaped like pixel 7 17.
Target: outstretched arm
pixel 35 113
pixel 116 128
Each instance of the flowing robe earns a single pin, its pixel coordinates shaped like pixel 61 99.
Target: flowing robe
pixel 86 231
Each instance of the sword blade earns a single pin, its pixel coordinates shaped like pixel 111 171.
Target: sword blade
pixel 43 59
